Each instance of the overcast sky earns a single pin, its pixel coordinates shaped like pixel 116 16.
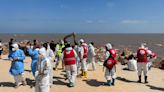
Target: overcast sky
pixel 82 16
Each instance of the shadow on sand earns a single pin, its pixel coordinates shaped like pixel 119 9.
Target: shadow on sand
pixel 6 59
pixel 125 80
pixel 30 82
pixel 155 88
pixel 27 70
pixel 126 69
pixel 7 84
pixel 58 77
pixel 94 83
pixel 59 82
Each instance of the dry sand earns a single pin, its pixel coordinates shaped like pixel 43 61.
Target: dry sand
pixel 126 81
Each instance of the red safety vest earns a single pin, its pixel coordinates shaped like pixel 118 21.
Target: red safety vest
pixel 111 60
pixel 69 57
pixel 113 53
pixel 142 55
pixel 110 63
pixel 85 51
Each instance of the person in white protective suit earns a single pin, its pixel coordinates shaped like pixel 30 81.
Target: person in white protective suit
pixel 42 74
pixel 110 65
pixel 83 57
pixel 132 63
pixel 69 60
pixel 17 56
pixel 50 56
pixel 142 62
pixel 78 63
pixel 91 56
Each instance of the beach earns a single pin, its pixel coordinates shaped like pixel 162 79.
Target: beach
pixel 126 80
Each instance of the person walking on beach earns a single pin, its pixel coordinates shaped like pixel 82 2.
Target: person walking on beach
pixel 69 59
pixel 10 44
pixel 16 56
pixel 78 63
pixel 142 62
pixel 110 65
pixel 91 56
pixel 42 74
pixel 1 49
pixel 59 51
pixel 83 57
pixel 33 51
pixel 50 56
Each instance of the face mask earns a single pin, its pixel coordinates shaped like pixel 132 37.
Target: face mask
pixel 13 49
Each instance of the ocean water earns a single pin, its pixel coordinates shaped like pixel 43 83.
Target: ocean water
pixel 120 41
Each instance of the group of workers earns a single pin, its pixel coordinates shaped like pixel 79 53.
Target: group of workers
pixel 75 60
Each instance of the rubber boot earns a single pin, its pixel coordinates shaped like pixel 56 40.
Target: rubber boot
pixel 82 73
pixel 113 81
pixel 69 84
pixel 139 81
pixel 24 83
pixel 85 74
pixel 146 79
pixel 109 83
pixel 56 68
pixel 72 84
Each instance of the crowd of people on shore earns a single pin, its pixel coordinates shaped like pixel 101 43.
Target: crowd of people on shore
pixel 75 59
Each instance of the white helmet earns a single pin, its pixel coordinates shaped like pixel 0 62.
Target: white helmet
pixel 61 41
pixel 109 46
pixel 143 45
pixel 81 40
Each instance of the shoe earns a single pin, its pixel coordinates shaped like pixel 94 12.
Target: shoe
pixel 72 84
pixel 82 73
pixel 113 82
pixel 85 74
pixel 16 86
pixel 108 83
pixel 56 69
pixel 24 83
pixel 68 84
pixel 139 81
pixel 146 79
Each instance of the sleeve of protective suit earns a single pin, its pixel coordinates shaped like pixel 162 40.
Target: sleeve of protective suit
pixel 32 52
pixel 47 67
pixel 149 52
pixel 81 52
pixel 10 56
pixel 93 51
pixel 37 69
pixel 51 55
pixel 107 54
pixel 22 55
pixel 75 54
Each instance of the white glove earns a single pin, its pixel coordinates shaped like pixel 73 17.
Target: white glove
pixel 10 59
pixel 36 73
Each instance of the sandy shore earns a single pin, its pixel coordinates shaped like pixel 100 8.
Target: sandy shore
pixel 126 80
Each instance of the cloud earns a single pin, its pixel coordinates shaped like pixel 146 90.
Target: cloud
pixel 133 21
pixel 110 4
